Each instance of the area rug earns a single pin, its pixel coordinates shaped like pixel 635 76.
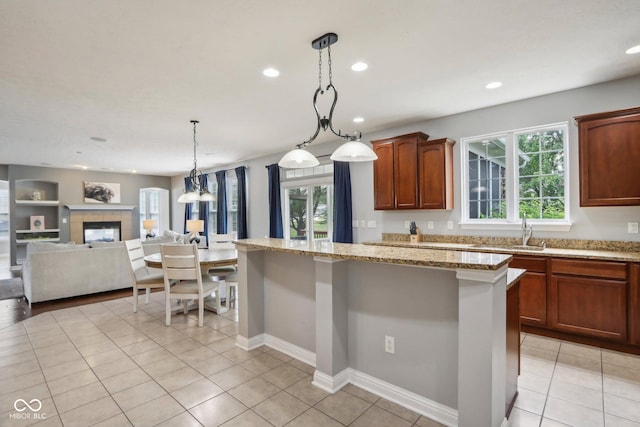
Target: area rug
pixel 11 288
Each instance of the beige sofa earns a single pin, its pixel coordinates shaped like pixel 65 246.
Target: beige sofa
pixel 62 270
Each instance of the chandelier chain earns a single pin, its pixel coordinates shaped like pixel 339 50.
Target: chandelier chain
pixel 329 62
pixel 320 69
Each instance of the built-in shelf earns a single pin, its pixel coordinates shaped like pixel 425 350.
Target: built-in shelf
pixel 100 207
pixel 38 202
pixel 46 230
pixel 25 241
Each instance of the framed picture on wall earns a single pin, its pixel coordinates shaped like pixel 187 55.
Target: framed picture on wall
pixel 36 222
pixel 101 192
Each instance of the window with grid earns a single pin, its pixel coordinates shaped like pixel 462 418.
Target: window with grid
pixel 511 174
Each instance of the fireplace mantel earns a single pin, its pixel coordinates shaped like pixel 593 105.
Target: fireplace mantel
pixel 100 207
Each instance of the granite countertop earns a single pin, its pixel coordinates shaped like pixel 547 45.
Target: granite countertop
pixel 417 256
pixel 600 253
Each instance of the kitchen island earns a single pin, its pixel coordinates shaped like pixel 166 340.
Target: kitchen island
pixel 423 328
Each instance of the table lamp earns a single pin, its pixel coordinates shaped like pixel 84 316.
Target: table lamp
pixel 195 226
pixel 149 225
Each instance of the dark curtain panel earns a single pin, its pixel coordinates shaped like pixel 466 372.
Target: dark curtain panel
pixel 342 231
pixel 222 202
pixel 275 208
pixel 241 173
pixel 187 206
pixel 203 208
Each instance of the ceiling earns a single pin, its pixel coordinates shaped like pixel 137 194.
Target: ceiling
pixel 134 73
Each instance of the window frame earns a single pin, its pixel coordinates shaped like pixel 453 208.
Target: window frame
pixel 512 197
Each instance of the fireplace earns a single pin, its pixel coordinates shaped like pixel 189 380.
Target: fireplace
pixel 101 231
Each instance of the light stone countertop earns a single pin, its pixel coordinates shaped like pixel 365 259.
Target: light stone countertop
pixel 548 252
pixel 416 256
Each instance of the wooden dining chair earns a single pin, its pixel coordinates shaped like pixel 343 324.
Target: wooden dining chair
pixel 142 276
pixel 226 273
pixel 182 264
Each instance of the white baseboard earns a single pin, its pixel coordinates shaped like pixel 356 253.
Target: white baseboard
pixel 250 343
pixel 434 410
pixel 303 355
pixel 331 384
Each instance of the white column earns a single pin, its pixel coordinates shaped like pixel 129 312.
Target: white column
pixel 481 347
pixel 331 324
pixel 250 297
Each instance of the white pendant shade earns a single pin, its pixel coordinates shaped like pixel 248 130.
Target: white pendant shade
pixel 298 158
pixel 207 197
pixel 354 151
pixel 189 197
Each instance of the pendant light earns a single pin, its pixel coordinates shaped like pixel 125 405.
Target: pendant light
pixel 353 150
pixel 199 192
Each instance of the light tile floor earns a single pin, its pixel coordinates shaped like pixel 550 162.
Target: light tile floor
pixel 103 365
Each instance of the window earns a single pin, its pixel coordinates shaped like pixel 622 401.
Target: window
pixel 232 203
pixel 308 203
pixel 154 204
pixel 510 174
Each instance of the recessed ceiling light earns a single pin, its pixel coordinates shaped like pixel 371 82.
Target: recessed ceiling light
pixel 358 120
pixel 98 139
pixel 271 72
pixel 493 85
pixel 632 50
pixel 359 66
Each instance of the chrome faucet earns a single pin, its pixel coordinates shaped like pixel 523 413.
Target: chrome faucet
pixel 527 230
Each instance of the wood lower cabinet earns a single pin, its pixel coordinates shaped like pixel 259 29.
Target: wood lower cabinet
pixel 634 304
pixel 533 289
pixel 588 298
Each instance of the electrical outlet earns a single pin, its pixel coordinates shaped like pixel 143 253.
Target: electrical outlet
pixel 632 227
pixel 371 223
pixel 450 225
pixel 430 225
pixel 389 344
pixel 407 224
pixel 64 220
pixel 354 223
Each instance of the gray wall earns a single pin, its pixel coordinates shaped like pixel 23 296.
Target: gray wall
pixel 4 172
pixel 70 186
pixel 600 223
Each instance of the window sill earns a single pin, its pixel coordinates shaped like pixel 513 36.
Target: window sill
pixel 537 225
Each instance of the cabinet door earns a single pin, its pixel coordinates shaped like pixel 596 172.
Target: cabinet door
pixel 588 306
pixel 383 192
pixel 533 299
pixel 609 158
pixel 435 174
pixel 513 346
pixel 405 173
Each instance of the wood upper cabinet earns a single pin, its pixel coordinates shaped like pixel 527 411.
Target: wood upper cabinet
pixel 413 173
pixel 533 290
pixel 609 147
pixel 589 298
pixel 435 174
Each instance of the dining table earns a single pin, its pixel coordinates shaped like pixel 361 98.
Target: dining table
pixel 209 258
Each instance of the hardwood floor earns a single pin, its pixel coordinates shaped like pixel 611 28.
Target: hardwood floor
pixel 14 310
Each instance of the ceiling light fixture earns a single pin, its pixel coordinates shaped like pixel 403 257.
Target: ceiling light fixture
pixel 358 120
pixel 493 85
pixel 199 192
pixel 271 72
pixel 351 151
pixel 632 50
pixel 359 66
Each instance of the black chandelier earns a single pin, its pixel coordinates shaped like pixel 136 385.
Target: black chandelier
pixel 351 151
pixel 199 192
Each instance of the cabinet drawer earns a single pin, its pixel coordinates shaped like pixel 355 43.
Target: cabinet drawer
pixel 535 264
pixel 608 269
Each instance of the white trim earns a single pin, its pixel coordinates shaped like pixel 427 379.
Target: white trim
pixel 252 343
pixel 331 384
pixel 303 355
pixel 485 276
pixel 538 225
pixel 427 407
